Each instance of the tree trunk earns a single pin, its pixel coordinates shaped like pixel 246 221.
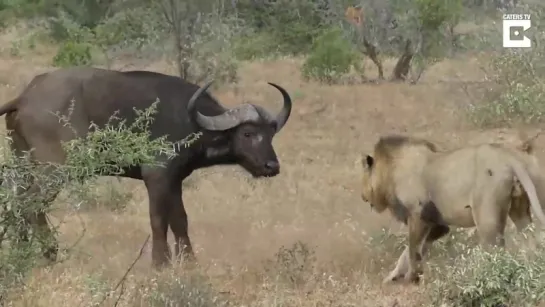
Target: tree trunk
pixel 403 65
pixel 372 52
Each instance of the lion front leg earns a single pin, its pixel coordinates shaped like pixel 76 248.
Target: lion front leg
pixel 418 231
pixel 409 264
pixel 401 268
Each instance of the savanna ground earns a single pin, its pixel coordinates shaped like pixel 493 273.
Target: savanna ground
pixel 302 238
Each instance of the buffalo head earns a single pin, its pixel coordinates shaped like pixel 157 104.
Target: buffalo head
pixel 249 130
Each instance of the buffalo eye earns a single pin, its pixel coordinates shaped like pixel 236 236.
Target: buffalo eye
pixel 247 134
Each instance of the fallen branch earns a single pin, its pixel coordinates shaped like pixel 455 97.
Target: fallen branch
pixel 121 282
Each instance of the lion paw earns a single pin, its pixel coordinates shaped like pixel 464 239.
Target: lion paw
pixel 410 277
pixel 393 277
pixel 413 277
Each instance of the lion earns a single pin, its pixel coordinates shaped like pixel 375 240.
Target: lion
pixel 430 189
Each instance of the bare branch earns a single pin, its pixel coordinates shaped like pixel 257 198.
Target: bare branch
pixel 121 282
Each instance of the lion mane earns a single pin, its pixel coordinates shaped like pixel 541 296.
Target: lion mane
pixel 394 157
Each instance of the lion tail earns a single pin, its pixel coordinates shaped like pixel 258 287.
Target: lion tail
pixel 529 187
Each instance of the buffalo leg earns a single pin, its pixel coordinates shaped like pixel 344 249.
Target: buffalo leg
pixel 178 224
pixel 45 150
pixel 163 191
pixel 38 219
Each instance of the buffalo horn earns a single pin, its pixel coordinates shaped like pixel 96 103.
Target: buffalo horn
pixel 284 114
pixel 226 120
pixel 240 114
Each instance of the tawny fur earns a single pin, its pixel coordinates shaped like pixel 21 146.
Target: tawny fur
pixel 478 185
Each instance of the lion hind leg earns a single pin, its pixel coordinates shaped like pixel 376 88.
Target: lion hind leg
pixel 519 212
pixel 490 218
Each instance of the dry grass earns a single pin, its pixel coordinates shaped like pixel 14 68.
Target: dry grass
pixel 237 224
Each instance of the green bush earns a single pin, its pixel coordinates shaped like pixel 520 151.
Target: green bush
pixel 64 28
pixel 295 37
pixel 491 279
pixel 255 46
pixel 515 79
pixel 104 150
pixel 109 194
pixel 332 57
pixel 433 14
pixel 73 54
pixel 209 52
pixel 130 27
pixel 293 265
pixel 516 95
pixel 190 290
pixel 291 25
pixel 522 104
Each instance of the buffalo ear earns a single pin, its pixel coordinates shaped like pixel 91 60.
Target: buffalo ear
pixel 369 160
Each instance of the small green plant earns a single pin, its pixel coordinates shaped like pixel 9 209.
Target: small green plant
pixel 96 285
pixel 73 54
pixel 109 194
pixel 491 278
pixel 331 58
pixel 188 291
pixel 293 265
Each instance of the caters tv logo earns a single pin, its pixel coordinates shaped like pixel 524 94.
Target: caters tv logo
pixel 514 27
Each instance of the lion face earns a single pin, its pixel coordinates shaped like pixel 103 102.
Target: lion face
pixel 368 163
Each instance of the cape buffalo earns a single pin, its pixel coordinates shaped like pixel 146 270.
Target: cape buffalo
pixel 242 135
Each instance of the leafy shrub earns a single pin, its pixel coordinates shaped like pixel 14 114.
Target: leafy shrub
pixel 191 290
pixel 108 194
pixel 73 54
pixel 517 93
pixel 491 278
pixel 433 14
pixel 292 265
pixel 292 25
pixel 64 28
pixel 520 104
pixel 134 27
pixel 209 54
pixel 255 46
pixel 104 150
pixel 332 57
pixel 88 13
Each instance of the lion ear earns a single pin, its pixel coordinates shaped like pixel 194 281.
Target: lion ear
pixel 369 160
